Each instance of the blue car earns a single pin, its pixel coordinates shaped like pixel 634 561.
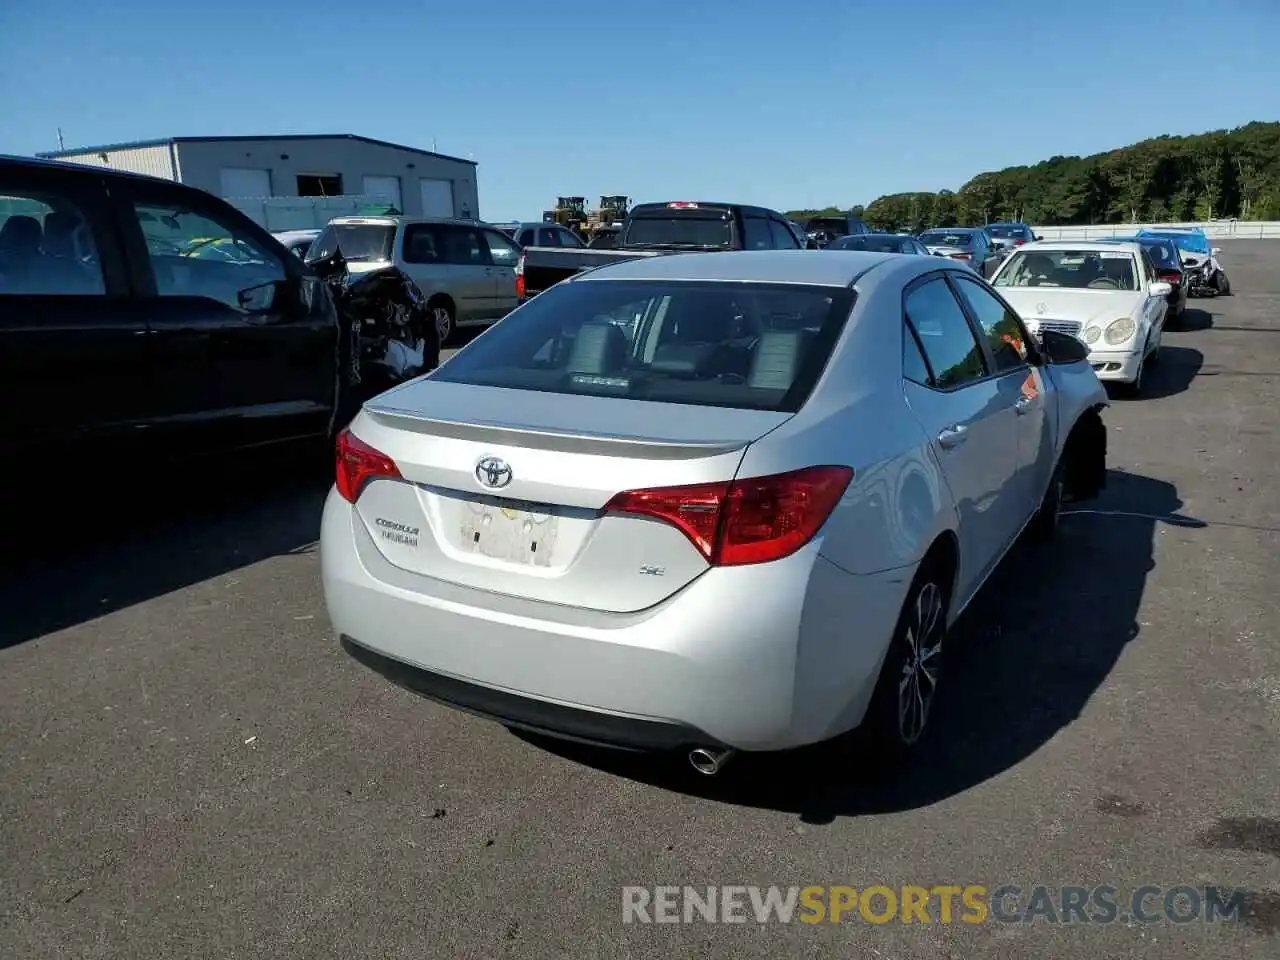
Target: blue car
pixel 1199 259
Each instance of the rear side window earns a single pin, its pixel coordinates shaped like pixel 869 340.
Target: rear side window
pixel 46 247
pixel 752 346
pixel 783 239
pixel 548 238
pixel 948 341
pixel 755 234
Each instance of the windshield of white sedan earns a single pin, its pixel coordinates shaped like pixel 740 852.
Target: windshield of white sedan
pixel 751 346
pixel 1077 269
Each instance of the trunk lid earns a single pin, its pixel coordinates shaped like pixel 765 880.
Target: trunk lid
pixel 506 488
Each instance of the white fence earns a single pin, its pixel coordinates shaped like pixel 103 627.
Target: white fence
pixel 300 213
pixel 1216 229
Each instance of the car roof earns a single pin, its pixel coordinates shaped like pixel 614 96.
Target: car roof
pixel 389 221
pixel 952 230
pixel 81 169
pixel 827 268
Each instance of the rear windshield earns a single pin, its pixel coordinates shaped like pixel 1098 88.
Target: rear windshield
pixel 939 238
pixel 877 243
pixel 1009 232
pixel 1162 253
pixel 828 225
pixel 751 346
pixel 1079 269
pixel 680 228
pixel 1191 242
pixel 363 241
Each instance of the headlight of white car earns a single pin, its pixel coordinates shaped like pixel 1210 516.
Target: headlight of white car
pixel 1092 334
pixel 1118 331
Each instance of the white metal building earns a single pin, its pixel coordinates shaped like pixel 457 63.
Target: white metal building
pixel 417 182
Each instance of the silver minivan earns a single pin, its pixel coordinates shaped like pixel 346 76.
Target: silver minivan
pixel 465 269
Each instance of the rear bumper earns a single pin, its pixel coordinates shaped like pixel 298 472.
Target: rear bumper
pixel 760 657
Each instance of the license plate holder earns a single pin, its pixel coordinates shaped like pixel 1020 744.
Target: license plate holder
pixel 519 533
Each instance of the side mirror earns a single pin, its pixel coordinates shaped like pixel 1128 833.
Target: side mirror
pixel 259 299
pixel 1216 251
pixel 1161 289
pixel 1062 347
pixel 1036 236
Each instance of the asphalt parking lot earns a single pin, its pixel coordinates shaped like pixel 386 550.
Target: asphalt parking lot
pixel 191 767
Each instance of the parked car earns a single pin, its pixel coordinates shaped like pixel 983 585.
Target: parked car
pixel 1006 236
pixel 969 245
pixel 1167 261
pixel 1106 294
pixel 1199 259
pixel 880 243
pixel 118 347
pixel 558 527
pixel 297 242
pixel 659 229
pixel 823 230
pixel 465 269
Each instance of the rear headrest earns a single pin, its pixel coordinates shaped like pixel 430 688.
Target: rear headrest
pixel 21 235
pixel 599 348
pixel 777 359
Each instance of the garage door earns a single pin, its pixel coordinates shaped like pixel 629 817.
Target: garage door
pixel 245 182
pixel 384 189
pixel 437 197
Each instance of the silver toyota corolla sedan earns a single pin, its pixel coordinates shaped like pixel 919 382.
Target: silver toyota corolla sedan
pixel 713 502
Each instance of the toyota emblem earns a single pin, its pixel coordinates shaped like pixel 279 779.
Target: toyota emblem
pixel 493 472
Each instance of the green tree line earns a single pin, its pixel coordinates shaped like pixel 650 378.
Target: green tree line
pixel 1216 175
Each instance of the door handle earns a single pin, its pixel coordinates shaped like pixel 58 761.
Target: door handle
pixel 1023 405
pixel 952 436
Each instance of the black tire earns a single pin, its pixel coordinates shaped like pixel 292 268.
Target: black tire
pixel 896 723
pixel 1044 524
pixel 442 312
pixel 1221 284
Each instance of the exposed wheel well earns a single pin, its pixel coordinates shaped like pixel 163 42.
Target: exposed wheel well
pixel 945 552
pixel 1084 456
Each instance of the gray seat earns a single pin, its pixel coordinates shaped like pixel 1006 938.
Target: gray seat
pixel 777 359
pixel 599 349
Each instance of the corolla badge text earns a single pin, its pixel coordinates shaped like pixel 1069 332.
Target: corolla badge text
pixel 493 472
pixel 400 533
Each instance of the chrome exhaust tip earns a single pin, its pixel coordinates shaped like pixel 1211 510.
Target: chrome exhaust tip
pixel 709 760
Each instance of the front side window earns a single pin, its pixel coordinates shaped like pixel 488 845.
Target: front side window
pixel 953 352
pixel 783 239
pixel 502 251
pixel 752 346
pixel 1006 339
pixel 195 255
pixel 46 246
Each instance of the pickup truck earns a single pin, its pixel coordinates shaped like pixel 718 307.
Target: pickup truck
pixel 656 229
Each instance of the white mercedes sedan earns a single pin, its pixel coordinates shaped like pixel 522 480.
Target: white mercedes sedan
pixel 1109 295
pixel 707 502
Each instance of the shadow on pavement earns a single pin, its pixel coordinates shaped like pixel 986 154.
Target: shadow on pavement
pixel 1168 376
pixel 1193 318
pixel 108 549
pixel 1033 647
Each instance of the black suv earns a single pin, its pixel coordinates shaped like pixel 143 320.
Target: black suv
pixel 138 315
pixel 822 230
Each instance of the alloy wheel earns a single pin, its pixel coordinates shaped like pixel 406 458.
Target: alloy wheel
pixel 444 322
pixel 921 662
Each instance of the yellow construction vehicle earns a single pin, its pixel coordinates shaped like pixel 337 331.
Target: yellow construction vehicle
pixel 569 212
pixel 612 210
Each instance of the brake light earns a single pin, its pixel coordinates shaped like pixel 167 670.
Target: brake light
pixel 358 463
pixel 752 520
pixel 961 256
pixel 1019 242
pixel 682 205
pixel 1171 276
pixel 520 276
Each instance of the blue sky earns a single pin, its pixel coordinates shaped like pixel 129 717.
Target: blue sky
pixel 786 104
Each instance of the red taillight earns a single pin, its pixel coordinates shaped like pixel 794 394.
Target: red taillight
pixel 961 256
pixel 753 520
pixel 520 277
pixel 358 463
pixel 1018 243
pixel 1171 276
